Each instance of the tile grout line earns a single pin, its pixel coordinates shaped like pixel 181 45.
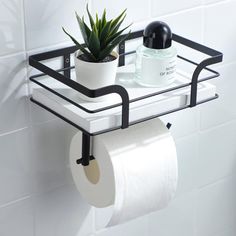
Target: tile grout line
pixel 14 131
pixel 203 21
pixel 216 3
pixel 14 201
pixel 27 65
pixel 217 126
pixel 181 11
pixel 217 181
pixel 24 24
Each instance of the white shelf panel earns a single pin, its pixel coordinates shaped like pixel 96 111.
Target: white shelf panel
pixel 112 118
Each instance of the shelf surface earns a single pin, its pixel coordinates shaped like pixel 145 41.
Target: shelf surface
pixel 112 118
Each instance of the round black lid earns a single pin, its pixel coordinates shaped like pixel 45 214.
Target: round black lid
pixel 157 35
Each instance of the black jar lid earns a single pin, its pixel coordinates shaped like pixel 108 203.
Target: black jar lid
pixel 157 35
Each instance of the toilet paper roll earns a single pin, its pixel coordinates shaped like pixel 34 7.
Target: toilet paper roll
pixel 135 170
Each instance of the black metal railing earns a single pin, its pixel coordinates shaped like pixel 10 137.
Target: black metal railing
pixel 36 62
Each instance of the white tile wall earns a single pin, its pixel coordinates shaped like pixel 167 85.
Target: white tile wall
pixel 220 111
pixel 216 207
pixel 11 27
pixel 137 227
pixel 15 171
pixel 160 8
pixel 44 21
pixel 228 232
pixel 177 22
pixel 135 12
pixel 184 122
pixel 37 194
pixel 13 93
pixel 219 28
pixel 177 219
pixel 17 218
pixel 62 212
pixel 48 155
pixel 187 151
pixel 212 1
pixel 217 153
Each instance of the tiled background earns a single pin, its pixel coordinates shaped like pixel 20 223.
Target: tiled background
pixel 37 195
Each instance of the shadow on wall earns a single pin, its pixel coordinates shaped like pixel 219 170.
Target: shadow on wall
pixel 13 86
pixel 58 207
pixel 9 25
pixel 13 93
pixel 62 212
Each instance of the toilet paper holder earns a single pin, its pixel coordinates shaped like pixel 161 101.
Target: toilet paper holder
pixel 63 75
pixel 86 144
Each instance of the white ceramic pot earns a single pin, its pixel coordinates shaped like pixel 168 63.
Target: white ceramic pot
pixel 95 75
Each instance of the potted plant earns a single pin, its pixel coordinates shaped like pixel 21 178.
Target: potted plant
pixel 95 60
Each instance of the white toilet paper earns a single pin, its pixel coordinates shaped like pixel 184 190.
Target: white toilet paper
pixel 135 170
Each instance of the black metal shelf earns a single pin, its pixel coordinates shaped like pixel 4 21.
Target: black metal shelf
pixel 65 78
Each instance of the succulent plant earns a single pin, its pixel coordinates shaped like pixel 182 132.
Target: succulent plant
pixel 101 37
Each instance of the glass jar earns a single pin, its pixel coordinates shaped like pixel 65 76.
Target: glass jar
pixel 156 58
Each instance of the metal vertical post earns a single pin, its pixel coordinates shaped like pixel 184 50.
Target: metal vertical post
pixel 121 51
pixel 66 61
pixel 85 149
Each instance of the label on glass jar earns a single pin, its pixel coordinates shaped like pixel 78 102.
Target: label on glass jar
pixel 158 72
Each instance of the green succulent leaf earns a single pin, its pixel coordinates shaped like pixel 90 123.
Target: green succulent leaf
pixel 94 44
pixel 79 46
pixel 104 33
pixel 90 17
pixel 95 30
pixel 101 37
pixel 97 20
pixel 105 52
pixel 99 27
pixel 82 28
pixel 104 18
pixel 87 30
pixel 116 28
pixel 112 37
pixel 116 20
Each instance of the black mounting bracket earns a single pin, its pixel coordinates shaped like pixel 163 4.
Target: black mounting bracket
pixel 86 144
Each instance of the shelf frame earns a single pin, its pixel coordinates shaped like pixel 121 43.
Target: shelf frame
pixel 36 61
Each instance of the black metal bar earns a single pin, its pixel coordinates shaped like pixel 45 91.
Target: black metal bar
pixel 65 79
pixel 61 96
pixel 200 67
pixel 171 111
pixel 119 127
pixel 125 54
pixel 92 93
pixel 54 53
pixel 86 157
pixel 66 62
pixel 168 125
pixel 196 46
pixel 85 149
pixel 34 61
pixel 121 51
pixel 79 161
pixel 135 34
pixel 59 116
pixel 216 57
pixel 58 70
pixel 215 74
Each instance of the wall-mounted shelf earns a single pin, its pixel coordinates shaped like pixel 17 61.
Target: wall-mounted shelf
pixel 129 103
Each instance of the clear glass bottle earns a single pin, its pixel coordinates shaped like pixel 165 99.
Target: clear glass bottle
pixel 156 58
